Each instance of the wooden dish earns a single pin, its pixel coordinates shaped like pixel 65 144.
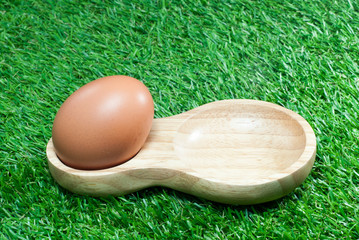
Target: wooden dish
pixel 229 151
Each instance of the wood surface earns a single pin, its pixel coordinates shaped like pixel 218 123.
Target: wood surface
pixel 230 151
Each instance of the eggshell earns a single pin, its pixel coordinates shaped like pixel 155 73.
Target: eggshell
pixel 104 123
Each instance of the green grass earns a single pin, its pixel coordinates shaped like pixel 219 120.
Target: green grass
pixel 303 55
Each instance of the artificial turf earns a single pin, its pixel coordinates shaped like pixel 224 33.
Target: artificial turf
pixel 302 55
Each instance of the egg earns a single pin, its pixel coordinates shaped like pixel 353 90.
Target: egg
pixel 104 123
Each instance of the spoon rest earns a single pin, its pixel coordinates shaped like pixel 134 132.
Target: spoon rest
pixel 229 151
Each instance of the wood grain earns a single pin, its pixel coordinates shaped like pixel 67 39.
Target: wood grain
pixel 229 151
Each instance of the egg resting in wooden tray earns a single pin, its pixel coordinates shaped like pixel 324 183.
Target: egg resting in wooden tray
pixel 231 151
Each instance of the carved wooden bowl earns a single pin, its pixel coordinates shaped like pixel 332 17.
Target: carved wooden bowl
pixel 229 151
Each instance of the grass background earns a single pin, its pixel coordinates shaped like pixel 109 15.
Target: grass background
pixel 302 55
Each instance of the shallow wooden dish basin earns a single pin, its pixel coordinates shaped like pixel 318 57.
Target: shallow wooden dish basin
pixel 230 151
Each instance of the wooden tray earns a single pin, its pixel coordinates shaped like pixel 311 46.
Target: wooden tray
pixel 229 151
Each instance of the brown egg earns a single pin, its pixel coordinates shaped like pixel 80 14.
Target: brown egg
pixel 104 123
